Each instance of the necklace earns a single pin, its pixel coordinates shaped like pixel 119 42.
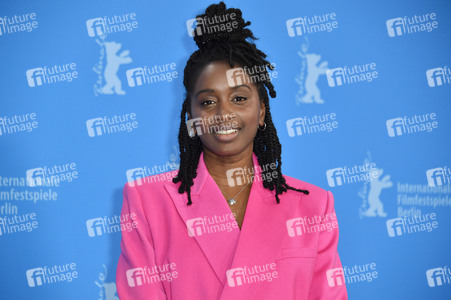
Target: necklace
pixel 232 201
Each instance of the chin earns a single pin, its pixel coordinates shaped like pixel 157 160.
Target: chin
pixel 224 150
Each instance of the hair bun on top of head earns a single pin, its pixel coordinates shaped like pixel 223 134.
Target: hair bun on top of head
pixel 220 24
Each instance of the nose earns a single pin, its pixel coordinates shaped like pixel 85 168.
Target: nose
pixel 224 109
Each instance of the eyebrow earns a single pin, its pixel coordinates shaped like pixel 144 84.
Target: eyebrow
pixel 211 90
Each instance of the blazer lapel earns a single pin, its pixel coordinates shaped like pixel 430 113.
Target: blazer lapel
pixel 208 201
pixel 262 234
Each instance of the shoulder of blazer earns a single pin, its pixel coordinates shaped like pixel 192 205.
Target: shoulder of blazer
pixel 299 184
pixel 316 194
pixel 154 184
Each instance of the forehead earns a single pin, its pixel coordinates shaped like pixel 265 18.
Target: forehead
pixel 215 75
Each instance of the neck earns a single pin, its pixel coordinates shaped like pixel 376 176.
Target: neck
pixel 219 165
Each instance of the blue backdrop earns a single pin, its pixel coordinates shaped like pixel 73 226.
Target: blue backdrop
pixel 363 91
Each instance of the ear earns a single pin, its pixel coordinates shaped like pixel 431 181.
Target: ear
pixel 262 113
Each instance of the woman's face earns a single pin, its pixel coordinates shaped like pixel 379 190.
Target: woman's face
pixel 230 113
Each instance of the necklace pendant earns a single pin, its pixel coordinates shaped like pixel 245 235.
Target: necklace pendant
pixel 232 201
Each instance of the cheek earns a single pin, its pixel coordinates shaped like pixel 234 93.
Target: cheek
pixel 250 117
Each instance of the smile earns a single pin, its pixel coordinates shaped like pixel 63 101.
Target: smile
pixel 224 132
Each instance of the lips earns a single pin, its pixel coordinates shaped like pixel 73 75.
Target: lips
pixel 223 129
pixel 224 132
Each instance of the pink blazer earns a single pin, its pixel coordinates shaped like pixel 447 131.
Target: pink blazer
pixel 175 251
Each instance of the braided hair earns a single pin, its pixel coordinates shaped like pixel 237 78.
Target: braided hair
pixel 237 48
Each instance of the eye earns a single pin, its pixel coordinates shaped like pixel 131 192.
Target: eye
pixel 206 102
pixel 240 99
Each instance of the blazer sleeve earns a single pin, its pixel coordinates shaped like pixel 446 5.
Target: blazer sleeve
pixel 137 252
pixel 328 280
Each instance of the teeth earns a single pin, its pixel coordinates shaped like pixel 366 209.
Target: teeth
pixel 230 131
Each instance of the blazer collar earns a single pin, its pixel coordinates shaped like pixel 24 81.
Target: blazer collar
pixel 261 234
pixel 203 176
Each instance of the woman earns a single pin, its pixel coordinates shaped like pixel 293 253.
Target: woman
pixel 229 225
